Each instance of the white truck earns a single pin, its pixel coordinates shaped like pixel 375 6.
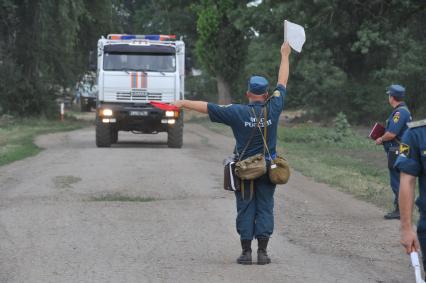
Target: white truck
pixel 138 77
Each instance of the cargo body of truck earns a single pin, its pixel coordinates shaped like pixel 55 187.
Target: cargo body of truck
pixel 138 77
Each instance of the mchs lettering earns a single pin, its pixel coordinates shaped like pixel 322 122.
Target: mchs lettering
pixel 253 122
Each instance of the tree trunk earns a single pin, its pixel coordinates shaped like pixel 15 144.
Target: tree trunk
pixel 224 91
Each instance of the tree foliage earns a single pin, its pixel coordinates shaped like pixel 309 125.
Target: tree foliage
pixel 222 44
pixel 354 49
pixel 44 49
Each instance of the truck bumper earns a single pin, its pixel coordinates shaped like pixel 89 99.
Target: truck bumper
pixel 135 117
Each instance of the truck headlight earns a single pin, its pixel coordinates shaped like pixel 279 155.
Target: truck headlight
pixel 170 114
pixel 107 112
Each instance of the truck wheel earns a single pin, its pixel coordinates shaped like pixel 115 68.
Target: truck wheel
pixel 175 134
pixel 84 107
pixel 114 135
pixel 103 134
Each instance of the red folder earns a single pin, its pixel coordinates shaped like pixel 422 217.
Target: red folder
pixel 377 131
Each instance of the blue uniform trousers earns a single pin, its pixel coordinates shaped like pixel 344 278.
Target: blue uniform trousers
pixel 255 216
pixel 394 182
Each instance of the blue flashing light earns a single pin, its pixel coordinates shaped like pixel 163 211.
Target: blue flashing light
pixel 128 36
pixel 152 36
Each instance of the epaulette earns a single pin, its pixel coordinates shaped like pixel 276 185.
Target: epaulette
pixel 416 124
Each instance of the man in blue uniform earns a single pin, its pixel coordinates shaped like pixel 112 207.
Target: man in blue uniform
pixel 255 202
pixel 396 125
pixel 412 163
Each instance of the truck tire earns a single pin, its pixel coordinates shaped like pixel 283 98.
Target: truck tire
pixel 175 134
pixel 103 134
pixel 84 107
pixel 114 135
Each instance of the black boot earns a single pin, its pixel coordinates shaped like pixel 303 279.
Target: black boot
pixel 262 255
pixel 393 214
pixel 245 257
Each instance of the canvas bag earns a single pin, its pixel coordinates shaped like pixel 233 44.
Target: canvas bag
pixel 254 166
pixel 279 170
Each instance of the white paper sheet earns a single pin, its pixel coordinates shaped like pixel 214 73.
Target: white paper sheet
pixel 295 35
pixel 416 264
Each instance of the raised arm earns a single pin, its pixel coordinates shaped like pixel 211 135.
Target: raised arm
pixel 199 106
pixel 284 66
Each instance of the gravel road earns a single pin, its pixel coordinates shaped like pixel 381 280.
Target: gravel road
pixel 175 223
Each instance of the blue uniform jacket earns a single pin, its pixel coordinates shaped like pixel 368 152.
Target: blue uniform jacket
pixel 397 124
pixel 242 121
pixel 412 161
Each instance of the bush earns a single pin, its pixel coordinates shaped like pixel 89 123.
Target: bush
pixel 342 128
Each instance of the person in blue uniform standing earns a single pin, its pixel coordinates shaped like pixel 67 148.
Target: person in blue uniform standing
pixel 396 125
pixel 255 218
pixel 412 164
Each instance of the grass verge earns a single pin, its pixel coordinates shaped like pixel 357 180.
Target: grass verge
pixel 16 136
pixel 353 164
pixel 121 198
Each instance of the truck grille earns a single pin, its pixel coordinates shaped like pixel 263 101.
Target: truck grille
pixel 139 95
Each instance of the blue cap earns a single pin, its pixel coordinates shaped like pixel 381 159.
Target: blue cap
pixel 396 91
pixel 257 85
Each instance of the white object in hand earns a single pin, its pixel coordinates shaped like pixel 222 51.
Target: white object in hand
pixel 416 264
pixel 295 35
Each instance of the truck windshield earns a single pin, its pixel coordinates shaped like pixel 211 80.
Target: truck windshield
pixel 139 62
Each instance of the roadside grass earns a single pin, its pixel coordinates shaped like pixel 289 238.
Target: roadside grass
pixel 65 182
pixel 17 135
pixel 353 164
pixel 118 197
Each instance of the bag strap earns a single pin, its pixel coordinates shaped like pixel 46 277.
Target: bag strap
pixel 265 126
pixel 265 145
pixel 248 142
pixel 251 189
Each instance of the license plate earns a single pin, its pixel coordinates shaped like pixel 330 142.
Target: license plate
pixel 138 113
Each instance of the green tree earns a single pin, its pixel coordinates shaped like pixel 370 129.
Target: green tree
pixel 222 43
pixel 354 50
pixel 44 49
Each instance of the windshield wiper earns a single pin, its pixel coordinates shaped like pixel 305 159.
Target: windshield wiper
pixel 151 70
pixel 121 69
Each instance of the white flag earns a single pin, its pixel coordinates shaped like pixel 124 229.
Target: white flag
pixel 295 35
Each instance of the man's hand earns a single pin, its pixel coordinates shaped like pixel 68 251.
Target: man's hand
pixel 178 103
pixel 379 141
pixel 409 240
pixel 285 49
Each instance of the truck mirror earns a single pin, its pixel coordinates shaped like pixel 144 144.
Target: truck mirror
pixel 92 60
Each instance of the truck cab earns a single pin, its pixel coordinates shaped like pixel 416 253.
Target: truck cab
pixel 138 77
